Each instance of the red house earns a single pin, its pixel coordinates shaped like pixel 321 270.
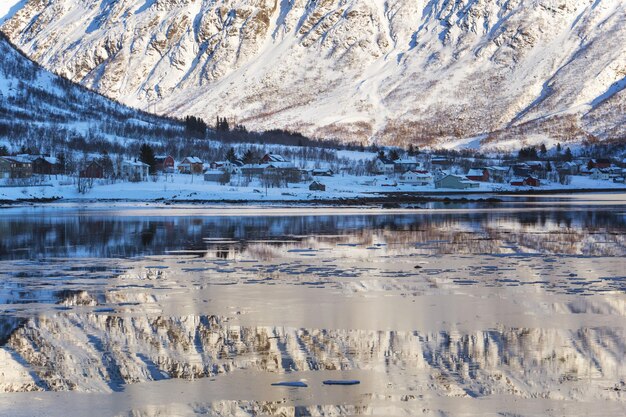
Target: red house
pixel 526 182
pixel 532 182
pixel 600 163
pixel 92 170
pixel 164 163
pixel 478 175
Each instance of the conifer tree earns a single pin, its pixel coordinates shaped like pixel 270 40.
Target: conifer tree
pixel 231 156
pixel 146 155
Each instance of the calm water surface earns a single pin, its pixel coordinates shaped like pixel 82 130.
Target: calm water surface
pixel 517 309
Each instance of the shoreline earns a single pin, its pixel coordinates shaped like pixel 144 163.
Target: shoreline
pixel 390 199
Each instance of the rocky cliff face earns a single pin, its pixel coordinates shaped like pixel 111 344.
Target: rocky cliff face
pixel 397 71
pixel 99 353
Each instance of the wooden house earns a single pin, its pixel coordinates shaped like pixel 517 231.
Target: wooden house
pixel 92 170
pixel 191 165
pixel 526 182
pixel 481 175
pixel 46 165
pixel 404 165
pixel 317 186
pixel 600 163
pixel 164 163
pixel 272 157
pixel 19 166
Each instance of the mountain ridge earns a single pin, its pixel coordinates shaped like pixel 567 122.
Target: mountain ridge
pixel 43 112
pixel 395 72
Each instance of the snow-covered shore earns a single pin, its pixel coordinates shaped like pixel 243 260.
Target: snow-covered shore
pixel 186 188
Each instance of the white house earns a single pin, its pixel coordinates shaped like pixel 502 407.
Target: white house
pixel 416 178
pixel 499 173
pixel 228 166
pixel 135 170
pixel 384 166
pixel 598 174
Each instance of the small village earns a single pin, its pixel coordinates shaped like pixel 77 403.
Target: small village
pixel 252 178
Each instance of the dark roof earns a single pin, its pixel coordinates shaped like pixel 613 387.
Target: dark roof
pixel 161 157
pixel 386 160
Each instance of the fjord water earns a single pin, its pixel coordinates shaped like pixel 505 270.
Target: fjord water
pixel 464 309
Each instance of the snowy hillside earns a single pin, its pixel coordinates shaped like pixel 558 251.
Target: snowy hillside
pixel 397 71
pixel 47 113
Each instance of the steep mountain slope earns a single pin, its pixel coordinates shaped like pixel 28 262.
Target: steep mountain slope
pixel 50 114
pixel 397 71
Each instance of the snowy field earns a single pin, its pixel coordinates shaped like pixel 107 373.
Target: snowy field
pixel 181 187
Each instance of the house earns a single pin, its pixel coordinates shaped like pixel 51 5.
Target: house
pixel 599 174
pixel 439 174
pixel 536 166
pixel 584 170
pixel 526 182
pixel 214 175
pixel 286 170
pixel 253 170
pixel 457 182
pixel 317 186
pixel 322 172
pixel 441 161
pixel 416 177
pixel 92 170
pixel 191 165
pixel 498 173
pixel 272 157
pixel 614 172
pixel 5 168
pixel 521 170
pixel 19 166
pixel 46 165
pixel 164 163
pixel 134 170
pixel 232 167
pixel 532 182
pixel 601 163
pixel 568 168
pixel 404 165
pixel 384 165
pixel 478 175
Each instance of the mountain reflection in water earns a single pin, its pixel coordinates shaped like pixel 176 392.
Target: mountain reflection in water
pixel 61 233
pixel 437 313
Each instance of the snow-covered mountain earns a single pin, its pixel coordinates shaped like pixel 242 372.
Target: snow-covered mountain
pixel 398 71
pixel 48 113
